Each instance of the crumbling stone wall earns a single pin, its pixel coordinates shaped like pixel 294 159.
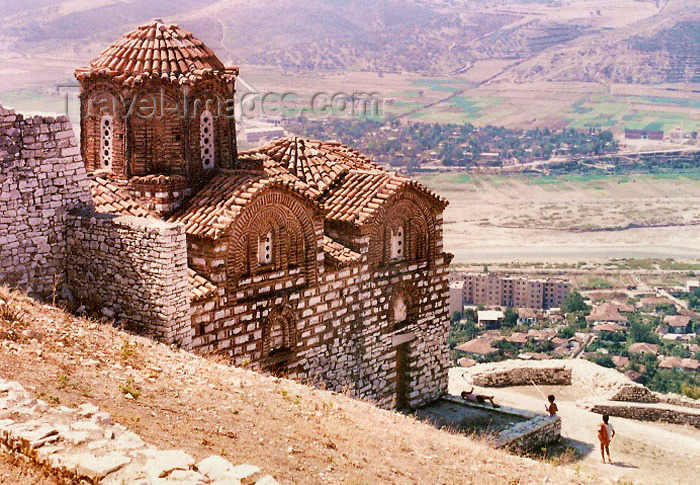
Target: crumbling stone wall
pixel 42 177
pixel 534 429
pixel 634 393
pixel 83 445
pixel 678 400
pixel 524 376
pixel 133 267
pixel 650 412
pixel 538 431
pixel 50 239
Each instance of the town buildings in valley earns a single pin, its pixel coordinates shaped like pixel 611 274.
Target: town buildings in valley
pixel 493 289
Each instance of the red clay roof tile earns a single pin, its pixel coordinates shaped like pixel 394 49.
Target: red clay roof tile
pixel 157 50
pixel 337 254
pixel 112 199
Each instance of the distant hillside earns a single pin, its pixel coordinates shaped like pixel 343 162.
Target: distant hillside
pixel 583 40
pixel 663 48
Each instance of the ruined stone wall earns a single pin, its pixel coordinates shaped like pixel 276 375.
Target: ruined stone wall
pixel 634 393
pixel 70 443
pixel 678 400
pixel 538 431
pixel 524 376
pixel 342 335
pixel 41 178
pixel 136 268
pixel 650 412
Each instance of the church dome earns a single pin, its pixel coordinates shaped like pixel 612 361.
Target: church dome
pixel 157 51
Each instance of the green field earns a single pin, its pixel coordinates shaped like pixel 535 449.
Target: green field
pixel 577 106
pixel 553 182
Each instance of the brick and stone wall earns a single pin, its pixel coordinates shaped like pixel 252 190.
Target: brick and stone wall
pixel 523 376
pixel 136 268
pixel 344 339
pixel 41 178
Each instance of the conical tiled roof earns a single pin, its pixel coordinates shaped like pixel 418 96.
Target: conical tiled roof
pixel 157 50
pixel 317 163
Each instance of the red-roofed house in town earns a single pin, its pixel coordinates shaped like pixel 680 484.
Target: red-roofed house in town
pixel 478 347
pixel 677 323
pixel 644 348
pixel 607 313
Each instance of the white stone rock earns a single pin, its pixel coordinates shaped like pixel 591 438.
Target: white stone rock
pixel 247 474
pixel 185 477
pixel 215 467
pixel 86 410
pixel 267 480
pixel 161 462
pixel 97 467
pixel 129 441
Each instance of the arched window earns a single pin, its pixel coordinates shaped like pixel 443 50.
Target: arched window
pixel 398 249
pixel 265 249
pixel 106 141
pixel 206 139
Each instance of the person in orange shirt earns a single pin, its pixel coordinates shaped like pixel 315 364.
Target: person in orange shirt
pixel 552 406
pixel 606 433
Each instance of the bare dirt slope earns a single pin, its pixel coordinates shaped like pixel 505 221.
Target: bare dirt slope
pixel 642 452
pixel 295 433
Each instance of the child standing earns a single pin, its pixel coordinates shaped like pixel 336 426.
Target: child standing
pixel 606 433
pixel 552 407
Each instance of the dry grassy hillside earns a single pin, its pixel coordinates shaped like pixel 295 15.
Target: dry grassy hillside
pixel 296 433
pixel 663 48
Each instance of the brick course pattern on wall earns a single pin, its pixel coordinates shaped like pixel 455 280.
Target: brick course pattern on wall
pixel 344 338
pixel 42 177
pixel 524 376
pixel 136 268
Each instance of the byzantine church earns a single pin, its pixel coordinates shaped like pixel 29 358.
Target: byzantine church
pixel 305 258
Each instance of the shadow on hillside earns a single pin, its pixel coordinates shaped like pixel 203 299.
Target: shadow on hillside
pixel 562 452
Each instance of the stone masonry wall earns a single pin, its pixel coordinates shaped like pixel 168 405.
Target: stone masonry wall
pixel 634 393
pixel 344 340
pixel 41 178
pixel 650 412
pixel 524 376
pixel 136 268
pixel 534 429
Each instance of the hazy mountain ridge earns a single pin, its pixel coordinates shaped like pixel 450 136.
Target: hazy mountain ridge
pixel 427 37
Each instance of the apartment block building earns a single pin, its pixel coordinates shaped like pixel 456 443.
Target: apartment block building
pixel 492 289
